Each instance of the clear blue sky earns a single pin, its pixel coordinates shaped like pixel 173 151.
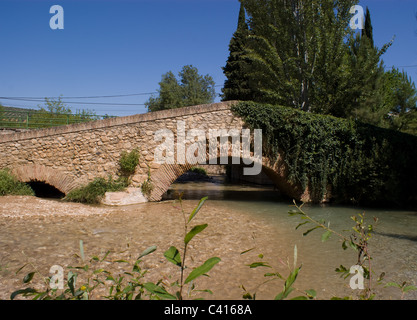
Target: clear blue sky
pixel 119 47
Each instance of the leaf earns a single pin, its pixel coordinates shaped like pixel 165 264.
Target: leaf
pixel 311 293
pixel 147 251
pixel 173 255
pixel 308 231
pixel 194 231
pixel 23 291
pixel 159 291
pixel 291 278
pixel 300 298
pixel 28 277
pixel 72 277
pixel 204 268
pixel 392 284
pixel 246 251
pixel 325 236
pixel 258 264
pixel 284 294
pixel 300 224
pixel 409 288
pixel 20 269
pixel 196 209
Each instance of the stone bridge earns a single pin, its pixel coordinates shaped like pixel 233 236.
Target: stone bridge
pixel 70 156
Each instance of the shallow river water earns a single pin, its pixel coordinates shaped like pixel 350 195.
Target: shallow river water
pixel 47 232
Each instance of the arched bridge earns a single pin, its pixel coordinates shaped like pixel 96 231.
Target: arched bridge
pixel 71 156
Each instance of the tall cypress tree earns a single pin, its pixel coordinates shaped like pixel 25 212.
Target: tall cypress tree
pixel 368 30
pixel 236 86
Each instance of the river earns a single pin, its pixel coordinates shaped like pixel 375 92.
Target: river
pixel 240 217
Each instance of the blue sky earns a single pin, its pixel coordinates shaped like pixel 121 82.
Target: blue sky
pixel 123 47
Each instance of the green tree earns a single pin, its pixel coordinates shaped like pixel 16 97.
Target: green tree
pixel 1 113
pixel 236 86
pixel 366 72
pixel 399 107
pixel 304 54
pixel 55 113
pixel 297 51
pixel 191 89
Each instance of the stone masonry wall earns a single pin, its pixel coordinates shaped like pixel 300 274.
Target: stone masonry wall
pixel 71 156
pixel 89 150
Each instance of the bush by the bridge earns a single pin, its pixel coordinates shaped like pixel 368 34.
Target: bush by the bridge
pixel 362 163
pixel 93 192
pixel 9 185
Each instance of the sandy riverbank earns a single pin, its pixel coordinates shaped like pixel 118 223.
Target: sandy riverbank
pixel 48 232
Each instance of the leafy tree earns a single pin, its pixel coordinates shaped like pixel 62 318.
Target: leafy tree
pixel 399 106
pixel 1 112
pixel 366 73
pixel 297 51
pixel 55 113
pixel 304 54
pixel 191 89
pixel 236 86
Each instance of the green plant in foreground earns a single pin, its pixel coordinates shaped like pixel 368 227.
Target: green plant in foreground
pixel 173 254
pixel 358 240
pixel 289 281
pixel 124 285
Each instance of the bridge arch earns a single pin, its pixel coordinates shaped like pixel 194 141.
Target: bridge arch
pixel 41 173
pixel 166 174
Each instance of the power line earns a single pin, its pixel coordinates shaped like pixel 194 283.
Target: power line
pixel 77 102
pixel 87 97
pixel 412 66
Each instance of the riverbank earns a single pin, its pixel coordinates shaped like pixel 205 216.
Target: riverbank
pixel 47 232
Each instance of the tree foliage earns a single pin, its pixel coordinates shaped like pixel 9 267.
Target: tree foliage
pixel 297 51
pixel 359 162
pixel 190 89
pixel 236 86
pixel 303 54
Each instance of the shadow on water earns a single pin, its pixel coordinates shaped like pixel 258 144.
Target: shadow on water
pixel 219 189
pixel 397 236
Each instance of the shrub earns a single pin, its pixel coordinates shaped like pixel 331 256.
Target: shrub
pixel 198 170
pixel 93 192
pixel 128 162
pixel 9 185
